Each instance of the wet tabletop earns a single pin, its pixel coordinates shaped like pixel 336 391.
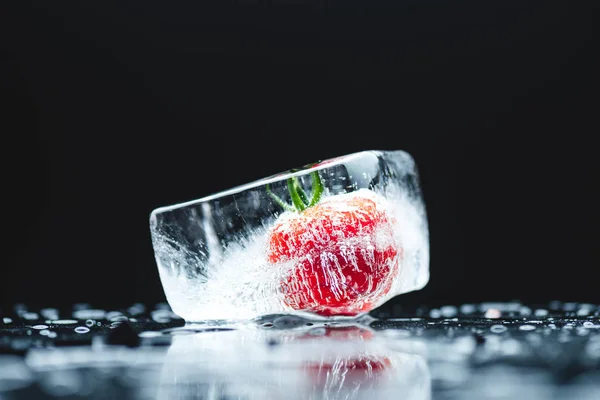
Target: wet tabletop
pixel 469 351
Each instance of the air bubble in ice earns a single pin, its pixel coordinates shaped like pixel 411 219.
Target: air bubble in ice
pixel 527 327
pixel 82 329
pixel 40 327
pixel 498 328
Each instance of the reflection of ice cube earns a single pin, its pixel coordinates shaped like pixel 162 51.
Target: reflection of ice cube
pixel 212 252
pixel 299 364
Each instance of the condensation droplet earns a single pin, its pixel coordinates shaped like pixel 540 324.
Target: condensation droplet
pixel 527 327
pixel 64 321
pixel 492 313
pixel 498 328
pixel 82 329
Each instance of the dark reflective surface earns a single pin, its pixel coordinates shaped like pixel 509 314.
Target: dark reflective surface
pixel 483 351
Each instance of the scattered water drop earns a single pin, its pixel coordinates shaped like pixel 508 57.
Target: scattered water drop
pixel 162 316
pixel 40 327
pixel 498 328
pixel 493 313
pixel 468 308
pixel 82 329
pixel 90 322
pixel 540 312
pixel 30 316
pixel 150 334
pixel 7 320
pixel 524 310
pixel 590 324
pixel 527 327
pixel 435 313
pixel 44 332
pixel 89 314
pixel 64 321
pixel 49 313
pixel 112 315
pixel 51 334
pixel 448 311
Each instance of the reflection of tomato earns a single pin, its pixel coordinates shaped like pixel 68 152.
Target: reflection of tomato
pixel 347 373
pixel 349 332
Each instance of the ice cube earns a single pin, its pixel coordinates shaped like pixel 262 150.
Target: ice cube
pixel 334 238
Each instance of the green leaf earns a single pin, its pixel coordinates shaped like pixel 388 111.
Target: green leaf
pixel 278 200
pixel 296 200
pixel 317 189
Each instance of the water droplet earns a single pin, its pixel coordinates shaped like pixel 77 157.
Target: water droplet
pixel 89 314
pixel 30 316
pixel 498 328
pixel 7 320
pixel 589 324
pixel 64 321
pixel 113 315
pixel 118 318
pixel 51 334
pixel 82 329
pixel 90 322
pixel 44 332
pixel 448 311
pixel 150 334
pixel 492 313
pixel 467 308
pixel 525 310
pixel 435 313
pixel 540 312
pixel 40 327
pixel 527 327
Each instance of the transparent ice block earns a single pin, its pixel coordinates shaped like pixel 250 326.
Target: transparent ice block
pixel 336 238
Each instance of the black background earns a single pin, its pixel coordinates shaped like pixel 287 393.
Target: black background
pixel 111 109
